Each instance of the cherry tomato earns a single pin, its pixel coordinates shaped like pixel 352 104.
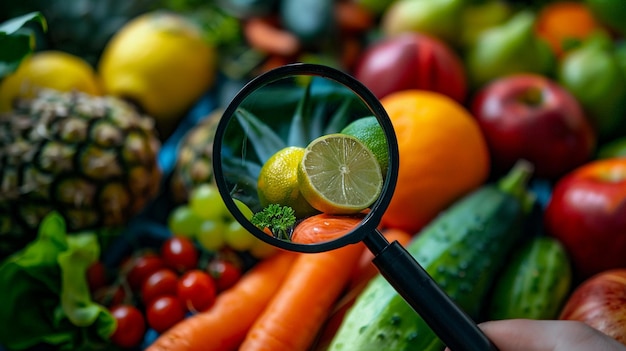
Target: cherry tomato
pixel 131 326
pixel 111 295
pixel 160 283
pixel 97 276
pixel 140 267
pixel 163 312
pixel 225 273
pixel 196 290
pixel 180 253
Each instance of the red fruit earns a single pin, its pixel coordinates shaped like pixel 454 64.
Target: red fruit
pixel 140 267
pixel 164 312
pixel 97 276
pixel 160 283
pixel 412 61
pixel 600 302
pixel 224 273
pixel 131 326
pixel 527 116
pixel 196 290
pixel 180 253
pixel 587 213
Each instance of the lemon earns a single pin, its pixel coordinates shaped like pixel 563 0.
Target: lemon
pixel 370 133
pixel 48 69
pixel 278 182
pixel 160 61
pixel 339 174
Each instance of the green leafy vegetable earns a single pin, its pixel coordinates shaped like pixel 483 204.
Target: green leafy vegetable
pixel 16 41
pixel 49 302
pixel 278 219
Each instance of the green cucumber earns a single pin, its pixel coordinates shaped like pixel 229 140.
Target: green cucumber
pixel 534 284
pixel 463 250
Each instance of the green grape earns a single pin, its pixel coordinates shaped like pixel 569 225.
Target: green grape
pixel 182 221
pixel 260 249
pixel 206 201
pixel 238 237
pixel 211 235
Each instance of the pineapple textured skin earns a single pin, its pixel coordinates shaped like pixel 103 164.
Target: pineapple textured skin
pixel 92 159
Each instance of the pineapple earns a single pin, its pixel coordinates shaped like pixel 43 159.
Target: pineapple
pixel 92 159
pixel 194 159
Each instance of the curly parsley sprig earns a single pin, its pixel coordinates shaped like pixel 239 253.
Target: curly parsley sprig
pixel 278 219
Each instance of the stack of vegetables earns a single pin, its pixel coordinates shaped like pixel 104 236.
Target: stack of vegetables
pixel 113 235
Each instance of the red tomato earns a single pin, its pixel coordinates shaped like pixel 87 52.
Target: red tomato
pixel 97 276
pixel 164 312
pixel 224 273
pixel 110 295
pixel 140 267
pixel 131 326
pixel 160 283
pixel 196 290
pixel 180 253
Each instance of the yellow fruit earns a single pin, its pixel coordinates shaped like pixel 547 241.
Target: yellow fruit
pixel 339 175
pixel 278 182
pixel 160 61
pixel 443 155
pixel 48 69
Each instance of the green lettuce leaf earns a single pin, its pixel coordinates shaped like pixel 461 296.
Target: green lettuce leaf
pixel 48 301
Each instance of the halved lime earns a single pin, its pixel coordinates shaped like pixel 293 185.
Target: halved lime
pixel 338 174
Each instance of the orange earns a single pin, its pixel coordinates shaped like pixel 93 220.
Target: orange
pixel 443 156
pixel 561 21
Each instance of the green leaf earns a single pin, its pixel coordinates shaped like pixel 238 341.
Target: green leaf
pixel 264 139
pixel 13 25
pixel 298 128
pixel 32 310
pixel 17 42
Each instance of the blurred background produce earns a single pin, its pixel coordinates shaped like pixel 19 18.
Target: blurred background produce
pixel 111 228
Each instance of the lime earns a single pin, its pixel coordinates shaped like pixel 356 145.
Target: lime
pixel 370 133
pixel 278 182
pixel 339 174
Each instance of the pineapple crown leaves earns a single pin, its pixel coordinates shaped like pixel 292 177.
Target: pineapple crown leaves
pixel 17 41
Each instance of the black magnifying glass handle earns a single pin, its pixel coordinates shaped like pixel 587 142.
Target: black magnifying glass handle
pixel 450 323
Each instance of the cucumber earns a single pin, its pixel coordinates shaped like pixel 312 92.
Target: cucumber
pixel 534 284
pixel 462 249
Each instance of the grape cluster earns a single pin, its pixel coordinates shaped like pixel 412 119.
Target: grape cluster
pixel 206 219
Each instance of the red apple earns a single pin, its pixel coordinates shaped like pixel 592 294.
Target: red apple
pixel 412 61
pixel 600 302
pixel 527 116
pixel 587 213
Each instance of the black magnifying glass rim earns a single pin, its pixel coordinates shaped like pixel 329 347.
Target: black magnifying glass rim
pixel 372 219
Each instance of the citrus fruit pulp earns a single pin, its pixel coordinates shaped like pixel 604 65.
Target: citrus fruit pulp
pixel 370 133
pixel 339 175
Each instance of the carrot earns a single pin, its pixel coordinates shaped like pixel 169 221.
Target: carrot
pixel 225 324
pixel 362 273
pixel 298 310
pixel 266 37
pixel 324 227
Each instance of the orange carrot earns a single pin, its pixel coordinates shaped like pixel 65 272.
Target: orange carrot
pixel 225 324
pixel 267 37
pixel 298 310
pixel 324 227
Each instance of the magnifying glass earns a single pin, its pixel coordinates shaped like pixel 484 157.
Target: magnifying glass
pixel 305 140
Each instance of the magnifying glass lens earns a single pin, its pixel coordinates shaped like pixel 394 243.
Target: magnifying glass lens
pixel 306 155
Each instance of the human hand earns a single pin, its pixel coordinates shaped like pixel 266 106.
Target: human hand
pixel 536 335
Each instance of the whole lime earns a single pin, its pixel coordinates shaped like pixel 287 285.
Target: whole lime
pixel 370 133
